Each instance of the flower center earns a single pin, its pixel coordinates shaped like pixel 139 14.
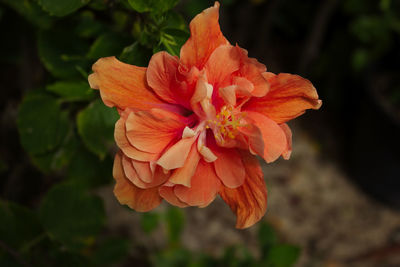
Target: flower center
pixel 225 124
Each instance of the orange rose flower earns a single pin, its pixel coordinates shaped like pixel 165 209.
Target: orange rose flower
pixel 190 127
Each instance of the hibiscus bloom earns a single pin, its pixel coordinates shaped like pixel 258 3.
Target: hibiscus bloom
pixel 191 127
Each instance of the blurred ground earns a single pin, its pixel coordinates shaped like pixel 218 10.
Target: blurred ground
pixel 311 204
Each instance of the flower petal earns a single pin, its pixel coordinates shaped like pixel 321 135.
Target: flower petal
pixel 128 194
pixel 162 76
pixel 245 87
pixel 122 85
pixel 254 138
pixel 248 201
pixel 201 99
pixel 289 97
pixel 228 94
pixel 252 70
pixel 205 37
pixel 143 170
pixel 151 131
pixel 131 173
pixel 134 174
pixel 176 155
pixel 288 133
pixel 126 147
pixel 274 138
pixel 204 186
pixel 222 63
pixel 229 167
pixel 167 193
pixel 184 175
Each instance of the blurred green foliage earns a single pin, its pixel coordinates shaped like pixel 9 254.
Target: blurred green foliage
pixel 273 253
pixel 68 134
pixel 375 25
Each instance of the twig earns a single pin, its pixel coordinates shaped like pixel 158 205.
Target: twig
pixel 313 43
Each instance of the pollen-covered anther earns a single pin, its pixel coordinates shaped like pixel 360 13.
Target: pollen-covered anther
pixel 226 123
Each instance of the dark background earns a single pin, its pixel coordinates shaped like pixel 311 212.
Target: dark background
pixel 348 49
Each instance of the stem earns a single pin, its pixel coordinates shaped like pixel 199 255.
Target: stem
pixel 33 242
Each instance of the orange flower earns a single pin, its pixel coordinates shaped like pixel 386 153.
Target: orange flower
pixel 190 127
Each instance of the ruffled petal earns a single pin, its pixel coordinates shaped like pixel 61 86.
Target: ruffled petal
pixel 245 86
pixel 273 136
pixel 288 133
pixel 151 131
pixel 167 193
pixel 228 94
pixel 177 154
pixel 248 201
pixel 222 63
pixel 184 175
pixel 201 99
pixel 205 37
pixel 289 97
pixel 162 76
pixel 133 173
pixel 229 167
pixel 252 70
pixel 253 137
pixel 143 170
pixel 128 194
pixel 204 186
pixel 126 147
pixel 122 85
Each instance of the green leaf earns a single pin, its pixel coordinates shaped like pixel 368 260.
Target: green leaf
pixel 62 258
pixel 18 226
pixel 56 160
pixel 173 257
pixel 120 20
pixel 31 11
pixel 360 59
pixel 283 255
pixel 109 44
pixel 385 5
pixel 71 216
pixel 149 221
pixel 88 26
pixel 98 4
pixel 266 237
pixel 62 53
pixel 155 6
pixel 62 8
pixel 175 223
pixel 87 171
pixel 111 251
pixel 174 20
pixel 173 39
pixel 194 7
pixel 72 90
pixel 136 54
pixel 96 127
pixel 41 124
pixel 229 257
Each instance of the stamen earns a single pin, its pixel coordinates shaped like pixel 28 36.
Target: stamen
pixel 226 123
